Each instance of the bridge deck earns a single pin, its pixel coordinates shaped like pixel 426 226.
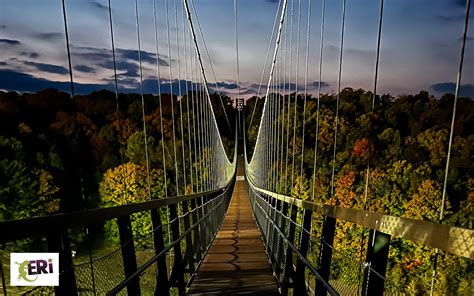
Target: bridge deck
pixel 236 263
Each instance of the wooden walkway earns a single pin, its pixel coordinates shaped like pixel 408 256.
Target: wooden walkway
pixel 236 263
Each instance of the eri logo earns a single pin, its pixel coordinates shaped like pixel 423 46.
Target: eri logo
pixel 34 269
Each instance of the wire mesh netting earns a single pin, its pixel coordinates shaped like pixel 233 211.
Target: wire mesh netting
pixel 348 252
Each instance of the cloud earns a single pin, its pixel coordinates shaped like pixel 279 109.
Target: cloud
pixel 467 90
pixel 50 36
pixel 145 56
pixel 98 5
pixel 33 55
pixel 247 91
pixel 131 72
pixel 461 3
pixel 150 86
pixel 9 42
pixel 225 85
pixel 47 67
pixel 301 87
pixel 451 18
pixel 323 84
pixel 84 68
pixel 12 80
pixel 126 60
pixel 16 81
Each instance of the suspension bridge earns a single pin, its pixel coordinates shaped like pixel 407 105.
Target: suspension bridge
pixel 232 199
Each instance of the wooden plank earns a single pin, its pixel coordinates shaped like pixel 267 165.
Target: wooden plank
pixel 236 262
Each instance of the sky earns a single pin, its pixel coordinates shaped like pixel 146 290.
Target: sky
pixel 420 45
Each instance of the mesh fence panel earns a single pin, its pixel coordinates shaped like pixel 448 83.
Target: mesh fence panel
pixel 348 250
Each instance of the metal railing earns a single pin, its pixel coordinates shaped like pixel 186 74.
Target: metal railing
pixel 193 221
pixel 299 238
pixel 287 225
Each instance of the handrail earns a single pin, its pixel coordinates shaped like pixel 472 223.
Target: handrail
pixel 455 240
pixel 150 262
pixel 313 270
pixel 11 230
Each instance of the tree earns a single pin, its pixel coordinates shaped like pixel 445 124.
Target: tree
pixel 126 184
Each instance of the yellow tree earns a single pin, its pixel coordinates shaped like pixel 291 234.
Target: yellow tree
pixel 126 184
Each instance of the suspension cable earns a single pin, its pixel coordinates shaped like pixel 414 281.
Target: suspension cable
pixel 66 34
pixel 180 95
pixel 172 98
pixel 187 98
pixel 237 51
pixel 158 82
pixel 321 46
pixel 296 95
pixel 267 55
pixel 142 99
pixel 305 89
pixel 210 64
pixel 336 119
pixel 451 132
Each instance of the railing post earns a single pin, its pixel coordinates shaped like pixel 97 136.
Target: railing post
pixel 279 222
pixel 289 271
pixel 325 253
pixel 189 258
pixel 299 280
pixel 59 243
pixel 128 254
pixel 177 275
pixel 197 239
pixel 272 231
pixel 376 260
pixel 162 285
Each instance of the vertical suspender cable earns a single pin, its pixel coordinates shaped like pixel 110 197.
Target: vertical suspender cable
pixel 137 19
pixel 305 88
pixel 237 50
pixel 290 67
pixel 296 95
pixel 210 65
pixel 180 94
pixel 186 78
pixel 265 63
pixel 338 96
pixel 282 118
pixel 321 46
pixel 158 82
pixel 374 96
pixel 172 98
pixel 289 101
pixel 282 18
pixel 66 33
pixel 450 142
pixel 114 60
pixel 456 97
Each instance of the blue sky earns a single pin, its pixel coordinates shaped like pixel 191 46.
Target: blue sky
pixel 420 44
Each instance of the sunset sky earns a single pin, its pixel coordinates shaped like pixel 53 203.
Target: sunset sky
pixel 421 42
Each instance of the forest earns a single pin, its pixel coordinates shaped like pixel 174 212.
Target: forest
pixel 62 154
pixel 404 139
